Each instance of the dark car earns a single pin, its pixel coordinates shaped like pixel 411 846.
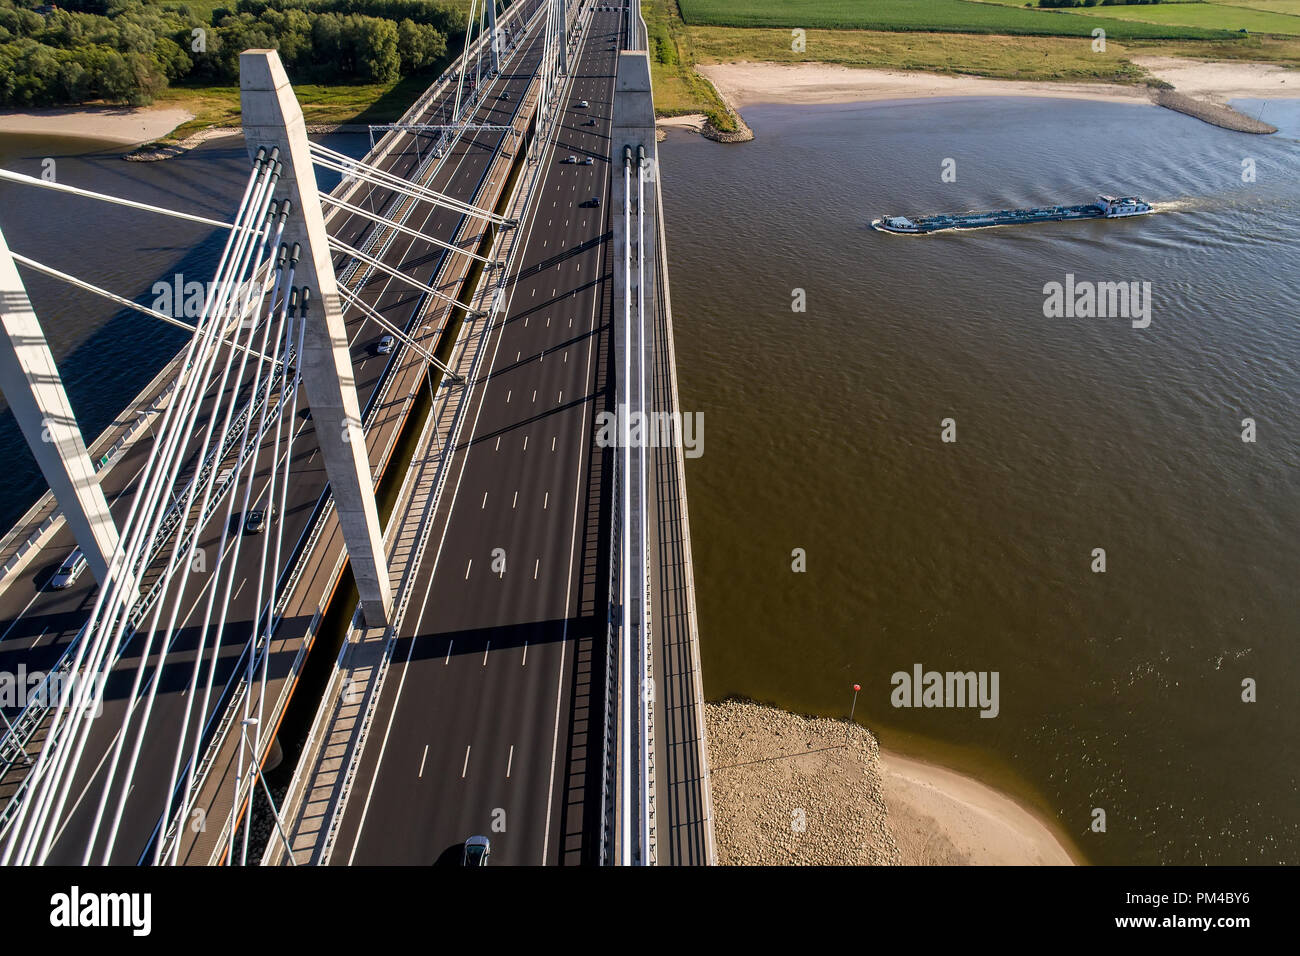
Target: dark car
pixel 476 852
pixel 256 521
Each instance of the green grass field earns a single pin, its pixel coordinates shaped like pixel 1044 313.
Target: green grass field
pixel 1219 16
pixel 948 16
pixel 1273 6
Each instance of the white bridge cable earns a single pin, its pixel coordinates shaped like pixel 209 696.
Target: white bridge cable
pixel 406 230
pixel 111 602
pixel 115 200
pixel 120 300
pixel 338 162
pixel 271 602
pixel 120 563
pixel 272 526
pixel 355 301
pixel 276 217
pixel 339 245
pixel 287 388
pixel 283 281
pixel 186 560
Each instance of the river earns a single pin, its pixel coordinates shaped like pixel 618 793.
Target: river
pixel 1119 691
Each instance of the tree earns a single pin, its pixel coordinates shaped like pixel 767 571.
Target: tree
pixel 377 57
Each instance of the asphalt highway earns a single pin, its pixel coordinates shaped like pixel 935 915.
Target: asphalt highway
pixel 491 716
pixel 37 624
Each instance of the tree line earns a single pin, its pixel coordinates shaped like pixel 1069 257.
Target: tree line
pixel 128 51
pixel 1093 3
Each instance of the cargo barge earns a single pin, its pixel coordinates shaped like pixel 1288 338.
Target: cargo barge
pixel 1106 207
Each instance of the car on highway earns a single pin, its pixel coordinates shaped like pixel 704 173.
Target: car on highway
pixel 505 95
pixel 590 122
pixel 570 159
pixel 476 852
pixel 68 572
pixel 587 161
pixel 593 202
pixel 583 104
pixel 256 522
pixel 385 345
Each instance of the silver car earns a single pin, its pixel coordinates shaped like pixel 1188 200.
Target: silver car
pixel 385 345
pixel 476 852
pixel 68 572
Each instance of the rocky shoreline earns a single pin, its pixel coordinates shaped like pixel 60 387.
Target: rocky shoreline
pixel 1209 112
pixel 791 790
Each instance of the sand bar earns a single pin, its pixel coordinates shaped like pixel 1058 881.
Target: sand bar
pixel 940 817
pixel 117 125
pixel 745 83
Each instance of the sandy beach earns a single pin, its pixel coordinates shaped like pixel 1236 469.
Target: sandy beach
pixel 117 125
pixel 744 84
pixel 943 818
pixel 812 791
pixel 1223 81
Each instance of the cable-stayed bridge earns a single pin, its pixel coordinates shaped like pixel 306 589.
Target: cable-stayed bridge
pixel 523 660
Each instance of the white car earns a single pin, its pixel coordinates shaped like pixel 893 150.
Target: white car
pixel 583 104
pixel 385 345
pixel 569 160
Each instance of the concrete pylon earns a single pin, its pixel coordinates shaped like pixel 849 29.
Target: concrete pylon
pixel 32 386
pixel 562 13
pixel 272 117
pixel 494 38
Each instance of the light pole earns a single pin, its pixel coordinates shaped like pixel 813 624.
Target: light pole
pixel 849 729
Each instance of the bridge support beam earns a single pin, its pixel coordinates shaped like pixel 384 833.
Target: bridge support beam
pixel 34 390
pixel 632 209
pixel 272 117
pixel 562 14
pixel 494 37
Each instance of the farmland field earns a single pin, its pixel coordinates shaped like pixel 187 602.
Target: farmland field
pixel 1219 16
pixel 949 16
pixel 1273 6
pixel 1194 17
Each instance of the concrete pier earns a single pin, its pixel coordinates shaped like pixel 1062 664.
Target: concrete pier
pixel 273 118
pixel 35 392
